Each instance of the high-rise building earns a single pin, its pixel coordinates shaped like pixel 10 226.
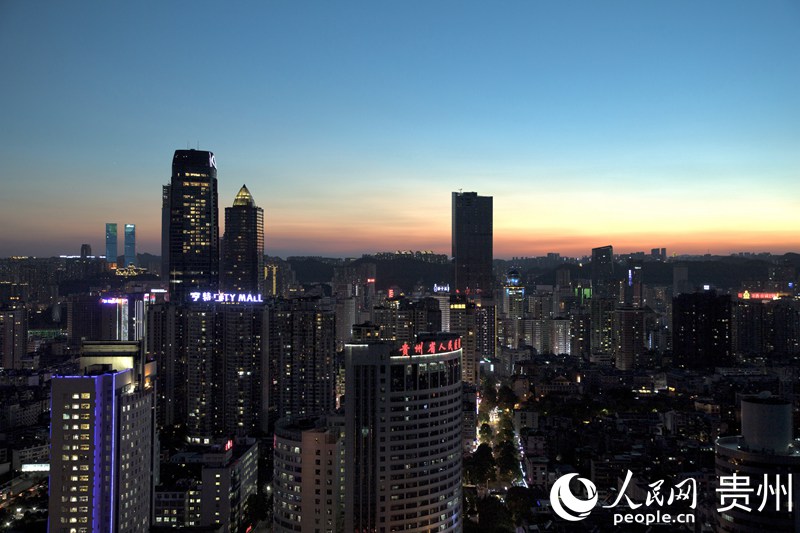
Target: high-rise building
pixel 766 458
pixel 111 244
pixel 166 202
pixel 302 349
pixel 166 344
pixel 680 280
pixel 224 352
pixel 403 435
pixel 629 336
pixel 701 329
pixel 512 300
pixel 309 475
pixel 193 225
pixel 472 244
pixel 605 294
pixel 486 331
pixel 101 462
pixel 130 244
pixel 13 337
pixel 243 246
pixel 463 322
pixel 633 285
pixel 603 283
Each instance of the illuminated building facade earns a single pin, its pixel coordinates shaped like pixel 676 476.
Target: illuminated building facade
pixel 101 460
pixel 130 244
pixel 224 351
pixel 472 235
pixel 111 244
pixel 243 245
pixel 486 331
pixel 404 435
pixel 463 322
pixel 193 225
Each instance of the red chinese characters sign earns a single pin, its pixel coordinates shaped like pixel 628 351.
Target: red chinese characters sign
pixel 429 347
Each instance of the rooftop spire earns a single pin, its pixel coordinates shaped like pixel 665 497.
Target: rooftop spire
pixel 244 198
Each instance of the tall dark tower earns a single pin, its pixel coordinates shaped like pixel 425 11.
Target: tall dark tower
pixel 605 293
pixel 603 283
pixel 472 244
pixel 193 230
pixel 701 330
pixel 243 245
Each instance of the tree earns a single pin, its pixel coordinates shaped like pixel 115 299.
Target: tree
pixel 506 428
pixel 507 461
pixel 493 517
pixel 489 395
pixel 486 433
pixel 479 468
pixel 520 501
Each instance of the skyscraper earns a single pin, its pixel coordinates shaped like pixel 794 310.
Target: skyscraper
pixel 130 244
pixel 193 225
pixel 243 245
pixel 403 435
pixel 701 330
pixel 111 243
pixel 605 293
pixel 13 337
pixel 101 460
pixel 302 349
pixel 224 353
pixel 603 272
pixel 165 216
pixel 463 317
pixel 472 243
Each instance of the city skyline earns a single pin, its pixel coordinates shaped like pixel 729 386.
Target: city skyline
pixel 634 125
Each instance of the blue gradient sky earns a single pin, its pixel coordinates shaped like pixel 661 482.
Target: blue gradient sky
pixel 640 124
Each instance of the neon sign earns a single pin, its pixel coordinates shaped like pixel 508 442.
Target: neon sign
pixel 441 288
pixel 222 297
pixel 747 295
pixel 428 347
pixel 113 300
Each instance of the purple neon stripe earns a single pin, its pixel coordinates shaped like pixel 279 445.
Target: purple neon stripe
pixel 113 447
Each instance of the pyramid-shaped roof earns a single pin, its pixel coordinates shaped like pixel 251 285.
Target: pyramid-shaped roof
pixel 244 198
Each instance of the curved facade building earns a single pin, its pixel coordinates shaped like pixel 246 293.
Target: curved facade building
pixel 765 454
pixel 403 429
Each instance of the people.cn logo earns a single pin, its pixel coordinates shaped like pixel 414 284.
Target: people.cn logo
pixel 566 505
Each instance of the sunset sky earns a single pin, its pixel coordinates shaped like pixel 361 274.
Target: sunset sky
pixel 638 124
